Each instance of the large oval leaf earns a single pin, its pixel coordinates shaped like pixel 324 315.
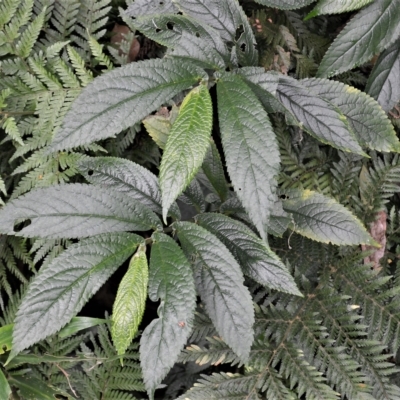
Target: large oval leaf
pixel 226 299
pixel 383 83
pixel 62 288
pixel 366 118
pixel 250 148
pixel 336 7
pixel 372 30
pixel 127 177
pixel 171 281
pixel 319 117
pixel 186 146
pixel 130 302
pixel 75 211
pixel 323 219
pixel 120 98
pixel 253 254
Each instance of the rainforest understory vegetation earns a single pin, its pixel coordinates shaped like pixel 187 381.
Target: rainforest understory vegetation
pixel 199 199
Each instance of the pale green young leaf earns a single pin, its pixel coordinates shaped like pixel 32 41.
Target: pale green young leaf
pixel 124 96
pixel 383 83
pixel 61 289
pixel 130 302
pixel 5 390
pixel 213 169
pixel 186 145
pixel 6 338
pixel 367 119
pixel 78 324
pixel 127 177
pixel 7 11
pixel 317 116
pixel 250 147
pixel 226 299
pixel 171 282
pixel 229 20
pixel 372 30
pixel 256 258
pixel 336 7
pixel 323 219
pixel 75 211
pixel 285 4
pixel 97 50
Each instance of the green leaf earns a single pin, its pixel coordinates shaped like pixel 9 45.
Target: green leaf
pixel 213 169
pixel 383 83
pixel 258 261
pixel 186 145
pixel 6 338
pixel 250 147
pixel 5 390
pixel 317 116
pixel 194 196
pixel 143 7
pixel 226 299
pixel 127 177
pixel 323 219
pixel 279 220
pixel 60 290
pixel 229 20
pixel 120 98
pixel 130 303
pixel 372 30
pixel 75 211
pixel 171 282
pixel 285 4
pixel 368 121
pixel 336 7
pixel 78 324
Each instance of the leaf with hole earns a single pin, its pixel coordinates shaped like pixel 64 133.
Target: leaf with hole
pixel 171 282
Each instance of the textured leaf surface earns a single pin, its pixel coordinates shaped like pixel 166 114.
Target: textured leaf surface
pixel 323 219
pixel 319 117
pixel 127 177
pixel 285 4
pixel 229 20
pixel 62 288
pixel 383 83
pixel 226 299
pixel 171 281
pixel 253 254
pixel 186 145
pixel 121 98
pixel 250 148
pixel 372 30
pixel 150 7
pixel 366 118
pixel 130 302
pixel 194 196
pixel 336 7
pixel 75 211
pixel 5 389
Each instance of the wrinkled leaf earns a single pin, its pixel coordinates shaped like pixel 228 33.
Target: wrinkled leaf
pixel 336 7
pixel 62 288
pixel 118 99
pixel 171 281
pixel 78 324
pixel 226 299
pixel 148 7
pixel 383 83
pixel 130 302
pixel 372 30
pixel 323 219
pixel 186 145
pixel 368 122
pixel 75 211
pixel 258 261
pixel 250 147
pixel 193 195
pixel 285 4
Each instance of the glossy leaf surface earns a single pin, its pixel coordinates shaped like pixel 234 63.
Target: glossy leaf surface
pixel 75 211
pixel 121 98
pixel 5 389
pixel 336 7
pixel 258 261
pixel 372 30
pixel 171 282
pixel 323 219
pixel 130 302
pixel 78 324
pixel 250 147
pixel 226 299
pixel 61 289
pixel 186 146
